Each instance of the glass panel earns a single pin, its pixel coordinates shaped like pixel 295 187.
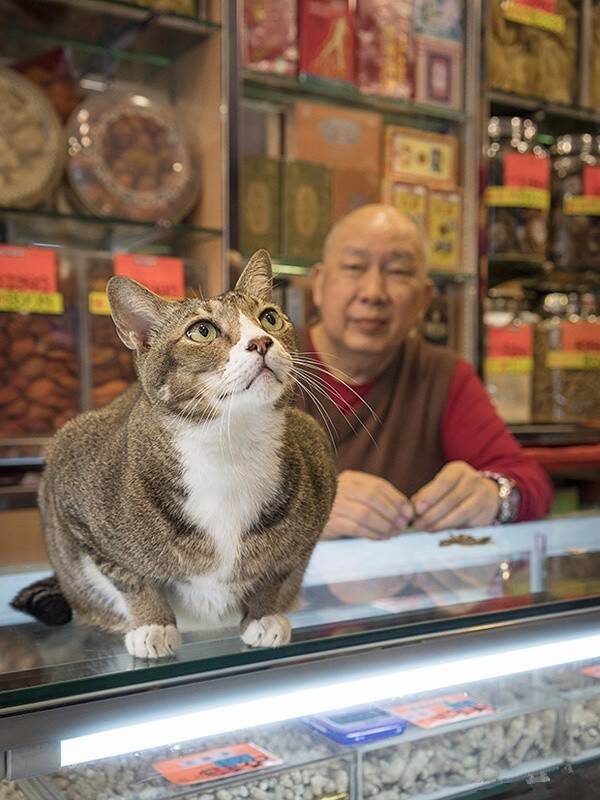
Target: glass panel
pixel 414 584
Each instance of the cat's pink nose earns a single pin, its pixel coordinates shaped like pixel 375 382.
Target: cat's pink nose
pixel 260 343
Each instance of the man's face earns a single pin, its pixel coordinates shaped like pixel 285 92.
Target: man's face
pixel 372 289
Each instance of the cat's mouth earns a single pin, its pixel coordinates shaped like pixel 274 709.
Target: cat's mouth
pixel 263 372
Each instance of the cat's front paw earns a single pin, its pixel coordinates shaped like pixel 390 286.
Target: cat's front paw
pixel 272 631
pixel 153 641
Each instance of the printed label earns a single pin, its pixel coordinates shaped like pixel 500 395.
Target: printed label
pixel 216 764
pixel 28 281
pixel 410 200
pixel 580 347
pixel 443 710
pixel 591 180
pixel 509 350
pixel 535 14
pixel 593 671
pixel 515 197
pixel 526 170
pixel 580 204
pixel 163 276
pixel 444 230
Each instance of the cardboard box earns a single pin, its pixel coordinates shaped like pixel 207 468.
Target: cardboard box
pixel 341 137
pixel 384 40
pixel 327 39
pixel 352 189
pixel 260 204
pixel 445 231
pixel 414 156
pixel 306 209
pixel 438 72
pixel 269 34
pixel 408 198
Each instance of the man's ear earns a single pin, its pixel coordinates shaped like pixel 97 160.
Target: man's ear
pixel 257 277
pixel 136 311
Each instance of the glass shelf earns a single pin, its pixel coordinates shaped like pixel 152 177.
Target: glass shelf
pixel 56 229
pixel 293 267
pixel 99 34
pixel 509 101
pixel 280 90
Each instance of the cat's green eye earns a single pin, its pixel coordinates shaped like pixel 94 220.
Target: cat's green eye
pixel 270 320
pixel 202 332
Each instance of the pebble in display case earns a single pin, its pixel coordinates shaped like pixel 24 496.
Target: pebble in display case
pixel 519 733
pixel 307 767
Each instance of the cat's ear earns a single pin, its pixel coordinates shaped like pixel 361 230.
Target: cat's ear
pixel 257 277
pixel 135 310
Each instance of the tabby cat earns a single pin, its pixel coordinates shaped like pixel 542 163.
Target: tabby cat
pixel 201 490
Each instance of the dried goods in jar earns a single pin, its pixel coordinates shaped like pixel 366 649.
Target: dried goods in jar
pixel 31 143
pixel 576 202
pixel 530 60
pixel 518 193
pixel 128 157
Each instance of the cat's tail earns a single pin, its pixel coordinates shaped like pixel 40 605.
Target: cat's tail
pixel 45 601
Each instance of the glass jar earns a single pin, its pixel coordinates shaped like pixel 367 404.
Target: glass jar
pixel 576 202
pixel 39 368
pixel 567 359
pixel 518 196
pixel 508 365
pixel 531 60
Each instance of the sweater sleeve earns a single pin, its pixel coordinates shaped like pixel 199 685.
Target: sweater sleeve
pixel 473 432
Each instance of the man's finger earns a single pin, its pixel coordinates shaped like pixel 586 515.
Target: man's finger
pixel 360 519
pixel 446 504
pixel 461 516
pixel 432 492
pixel 379 495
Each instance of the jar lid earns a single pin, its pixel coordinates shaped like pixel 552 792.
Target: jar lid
pixel 576 144
pixel 512 128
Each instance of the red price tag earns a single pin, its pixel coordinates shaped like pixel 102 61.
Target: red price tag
pixel 216 764
pixel 549 6
pixel 591 180
pixel 510 341
pixel 163 276
pixel 28 269
pixel 525 169
pixel 581 337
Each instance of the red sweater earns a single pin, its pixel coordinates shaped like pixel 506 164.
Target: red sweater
pixel 473 432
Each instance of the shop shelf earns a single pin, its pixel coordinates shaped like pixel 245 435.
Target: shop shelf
pixel 555 435
pixel 507 101
pixel 58 229
pixel 281 90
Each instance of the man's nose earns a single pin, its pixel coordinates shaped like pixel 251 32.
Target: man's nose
pixel 373 285
pixel 260 343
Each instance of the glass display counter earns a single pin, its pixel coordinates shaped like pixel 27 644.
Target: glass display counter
pixel 418 668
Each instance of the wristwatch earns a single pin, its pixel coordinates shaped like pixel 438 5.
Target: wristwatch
pixel 509 497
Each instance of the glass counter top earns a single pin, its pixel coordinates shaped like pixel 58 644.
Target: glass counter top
pixel 356 593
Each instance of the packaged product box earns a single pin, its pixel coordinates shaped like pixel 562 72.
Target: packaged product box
pixel 444 230
pixel 342 137
pixel 352 189
pixel 442 19
pixel 327 39
pixel 383 36
pixel 262 129
pixel 260 203
pixel 438 72
pixel 269 34
pixel 306 208
pixel 409 198
pixel 415 156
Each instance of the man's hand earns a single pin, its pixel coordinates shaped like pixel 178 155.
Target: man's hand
pixel 458 497
pixel 368 506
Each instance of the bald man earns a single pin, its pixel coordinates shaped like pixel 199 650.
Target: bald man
pixel 418 441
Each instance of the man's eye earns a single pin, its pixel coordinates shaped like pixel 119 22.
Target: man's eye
pixel 353 266
pixel 202 332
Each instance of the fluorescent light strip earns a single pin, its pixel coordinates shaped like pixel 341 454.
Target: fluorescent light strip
pixel 329 696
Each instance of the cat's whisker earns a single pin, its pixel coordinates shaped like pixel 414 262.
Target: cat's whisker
pixel 322 411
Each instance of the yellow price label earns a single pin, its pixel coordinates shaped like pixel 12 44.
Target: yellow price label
pixel 509 365
pixel 580 204
pixel 534 17
pixel 31 302
pixel 518 197
pixel 98 304
pixel 566 360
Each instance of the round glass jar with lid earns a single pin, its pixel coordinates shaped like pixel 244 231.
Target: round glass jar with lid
pixel 567 358
pixel 576 202
pixel 508 364
pixel 518 193
pixel 128 157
